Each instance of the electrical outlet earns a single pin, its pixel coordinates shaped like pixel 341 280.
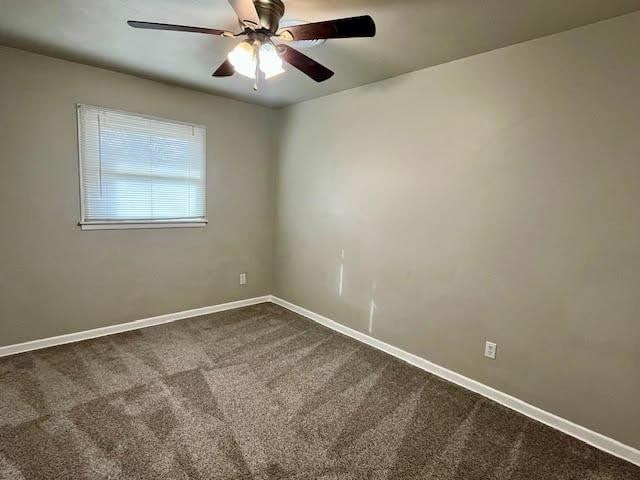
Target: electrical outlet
pixel 243 279
pixel 490 350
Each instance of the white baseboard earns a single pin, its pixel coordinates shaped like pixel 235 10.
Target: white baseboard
pixel 124 327
pixel 595 439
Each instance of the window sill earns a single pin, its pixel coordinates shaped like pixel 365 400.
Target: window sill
pixel 137 225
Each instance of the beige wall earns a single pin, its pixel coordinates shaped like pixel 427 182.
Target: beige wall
pixel 55 278
pixel 493 198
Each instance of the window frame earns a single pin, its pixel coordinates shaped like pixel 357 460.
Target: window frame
pixel 138 224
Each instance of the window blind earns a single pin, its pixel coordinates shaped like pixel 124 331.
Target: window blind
pixel 138 169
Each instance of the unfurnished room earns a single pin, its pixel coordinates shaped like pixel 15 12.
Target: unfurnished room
pixel 320 239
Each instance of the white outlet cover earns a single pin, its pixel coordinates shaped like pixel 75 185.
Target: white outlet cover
pixel 243 279
pixel 490 350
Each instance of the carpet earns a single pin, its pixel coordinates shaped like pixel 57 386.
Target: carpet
pixel 262 393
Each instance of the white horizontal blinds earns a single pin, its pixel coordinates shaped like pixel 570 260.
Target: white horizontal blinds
pixel 140 169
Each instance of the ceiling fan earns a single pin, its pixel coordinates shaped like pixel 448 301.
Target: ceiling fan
pixel 265 48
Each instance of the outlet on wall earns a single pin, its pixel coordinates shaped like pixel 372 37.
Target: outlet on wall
pixel 243 279
pixel 490 349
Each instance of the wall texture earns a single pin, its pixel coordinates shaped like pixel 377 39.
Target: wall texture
pixel 493 198
pixel 55 278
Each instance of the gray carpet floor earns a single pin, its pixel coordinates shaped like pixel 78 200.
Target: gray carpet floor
pixel 261 393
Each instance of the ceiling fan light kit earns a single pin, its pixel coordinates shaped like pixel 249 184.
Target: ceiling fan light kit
pixel 265 48
pixel 250 57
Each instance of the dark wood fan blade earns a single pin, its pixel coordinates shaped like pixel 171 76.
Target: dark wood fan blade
pixel 175 28
pixel 343 28
pixel 246 11
pixel 305 64
pixel 225 70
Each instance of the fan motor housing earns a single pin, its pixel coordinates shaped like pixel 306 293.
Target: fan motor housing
pixel 270 13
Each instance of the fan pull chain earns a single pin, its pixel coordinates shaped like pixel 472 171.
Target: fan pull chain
pixel 256 56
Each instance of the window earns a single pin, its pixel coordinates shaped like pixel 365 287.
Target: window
pixel 140 172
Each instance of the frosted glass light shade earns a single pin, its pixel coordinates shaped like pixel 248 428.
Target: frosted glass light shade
pixel 270 61
pixel 243 59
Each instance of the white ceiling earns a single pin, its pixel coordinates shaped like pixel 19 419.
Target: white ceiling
pixel 412 34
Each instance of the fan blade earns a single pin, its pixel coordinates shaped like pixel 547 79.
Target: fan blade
pixel 246 11
pixel 305 64
pixel 225 70
pixel 175 28
pixel 343 28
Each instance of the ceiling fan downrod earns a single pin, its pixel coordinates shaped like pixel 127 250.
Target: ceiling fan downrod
pixel 270 12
